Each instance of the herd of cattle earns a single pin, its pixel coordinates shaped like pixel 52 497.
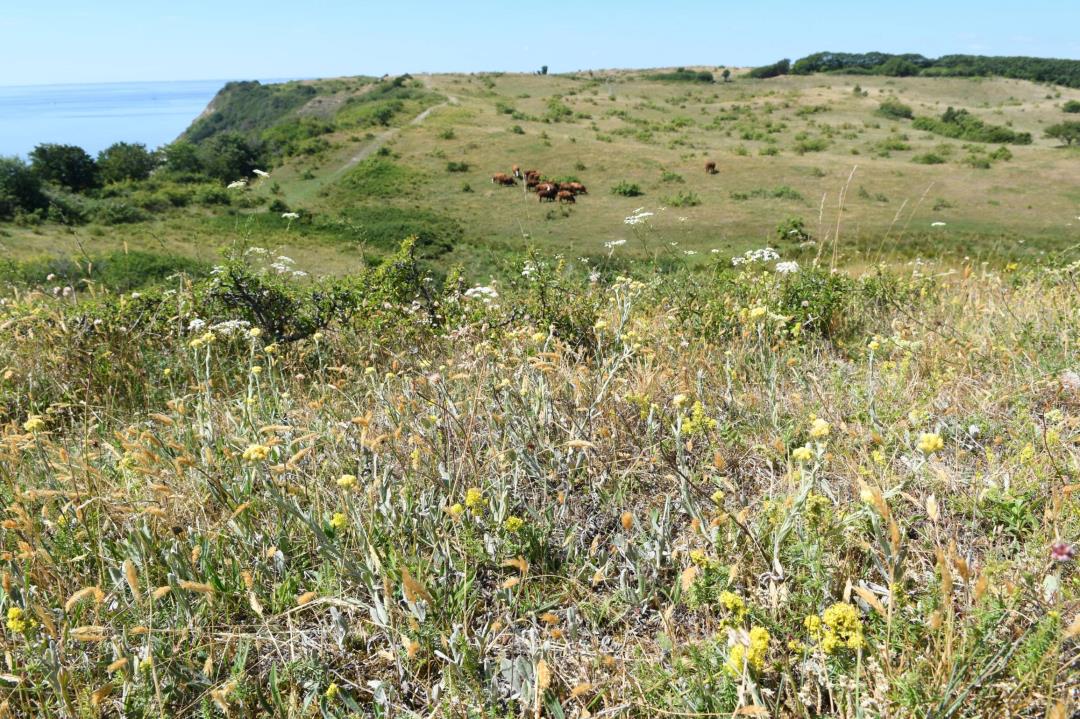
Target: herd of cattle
pixel 544 189
pixel 554 191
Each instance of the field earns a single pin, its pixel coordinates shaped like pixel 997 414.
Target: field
pixel 763 454
pixel 805 147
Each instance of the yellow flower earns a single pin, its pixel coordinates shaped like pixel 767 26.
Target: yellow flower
pixel 256 370
pixel 34 423
pixel 455 510
pixel 758 312
pixel 332 691
pixel 256 453
pixel 514 524
pixel 813 626
pixel 539 336
pixel 166 372
pixel 751 656
pixel 930 442
pixel 17 620
pixel 254 332
pixel 843 628
pixel 698 422
pixel 369 371
pixel 819 429
pixel 474 498
pixel 802 454
pixel 679 400
pixel 338 521
pixel 874 345
pixel 347 481
pixel 734 604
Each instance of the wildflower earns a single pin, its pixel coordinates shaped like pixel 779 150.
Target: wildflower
pixel 787 268
pixel 332 692
pixel 539 336
pixel 812 623
pixel 338 521
pixel 749 654
pixel 930 442
pixel 765 254
pixel 802 454
pixel 819 429
pixel 734 604
pixel 874 345
pixel 17 620
pixel 639 216
pixel 474 498
pixel 513 524
pixel 679 400
pixel 236 185
pixel 34 423
pixel 256 453
pixel 261 173
pixel 758 312
pixel 843 628
pixel 937 224
pixel 698 422
pixel 254 332
pixel 455 510
pixel 290 215
pixel 1062 552
pixel 347 481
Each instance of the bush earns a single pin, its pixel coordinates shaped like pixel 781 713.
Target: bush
pixel 669 176
pixel 457 166
pixel 775 70
pixel 229 156
pixel 517 130
pixel 929 158
pixel 682 75
pixel 810 144
pixel 626 189
pixel 120 213
pixel 1072 106
pixel 1067 132
pixel 385 227
pixel 895 110
pixel 962 125
pixel 683 198
pixel 378 177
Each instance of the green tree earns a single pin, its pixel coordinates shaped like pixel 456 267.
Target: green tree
pixel 726 74
pixel 182 157
pixel 543 69
pixel 1067 132
pixel 126 161
pixel 66 165
pixel 229 156
pixel 20 188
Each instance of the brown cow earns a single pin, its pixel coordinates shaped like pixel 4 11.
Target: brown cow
pixel 516 171
pixel 577 188
pixel 531 182
pixel 566 196
pixel 710 168
pixel 501 178
pixel 532 173
pixel 546 192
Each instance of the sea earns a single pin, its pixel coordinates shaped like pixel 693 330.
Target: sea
pixel 94 116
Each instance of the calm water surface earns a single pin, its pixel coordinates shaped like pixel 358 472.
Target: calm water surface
pixel 96 116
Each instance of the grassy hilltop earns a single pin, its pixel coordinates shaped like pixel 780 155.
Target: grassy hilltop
pixel 365 160
pixel 788 440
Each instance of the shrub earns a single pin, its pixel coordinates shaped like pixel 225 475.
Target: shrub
pixel 517 130
pixel 682 75
pixel 626 189
pixel 447 134
pixel 120 213
pixel 453 166
pixel 810 144
pixel 668 176
pixel 775 70
pixel 683 198
pixel 929 158
pixel 229 156
pixel 1072 106
pixel 895 110
pixel 1067 132
pixel 385 227
pixel 378 177
pixel 962 125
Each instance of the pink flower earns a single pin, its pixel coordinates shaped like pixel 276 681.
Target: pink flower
pixel 1061 551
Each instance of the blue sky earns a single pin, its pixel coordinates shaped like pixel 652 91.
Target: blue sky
pixel 62 41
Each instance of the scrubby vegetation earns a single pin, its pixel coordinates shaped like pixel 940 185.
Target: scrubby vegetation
pixel 762 488
pixel 962 125
pixel 1038 69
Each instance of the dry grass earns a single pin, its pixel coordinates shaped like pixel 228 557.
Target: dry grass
pixel 487 519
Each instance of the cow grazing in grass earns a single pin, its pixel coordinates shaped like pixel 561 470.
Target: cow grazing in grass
pixel 566 196
pixel 531 183
pixel 516 171
pixel 710 168
pixel 546 191
pixel 532 174
pixel 501 178
pixel 576 187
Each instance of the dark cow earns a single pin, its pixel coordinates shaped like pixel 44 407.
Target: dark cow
pixel 501 178
pixel 710 168
pixel 546 191
pixel 532 173
pixel 531 183
pixel 566 196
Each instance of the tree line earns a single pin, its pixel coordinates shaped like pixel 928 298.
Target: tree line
pixel 1036 69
